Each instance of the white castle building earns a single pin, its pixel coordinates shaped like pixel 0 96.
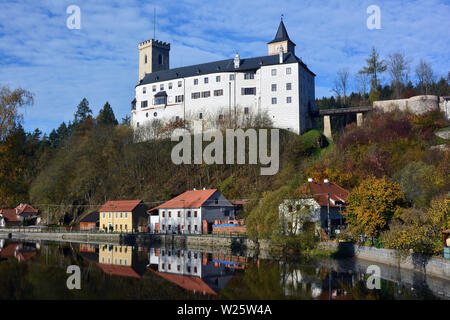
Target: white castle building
pixel 279 84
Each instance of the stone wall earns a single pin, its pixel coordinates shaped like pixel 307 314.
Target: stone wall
pixel 417 104
pixel 429 265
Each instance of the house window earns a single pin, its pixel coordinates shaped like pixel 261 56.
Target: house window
pixel 170 214
pixel 179 214
pixel 163 214
pixel 288 99
pixel 170 85
pixel 246 110
pixel 288 70
pixel 189 214
pixel 160 100
pixel 231 77
pixel 103 217
pixel 205 80
pixel 179 98
pixel 218 92
pixel 216 201
pixel 121 214
pixel 189 269
pixel 288 86
pixel 168 266
pixel 274 100
pixel 178 268
pixel 144 104
pixel 249 75
pixel 217 78
pixel 144 90
pixel 274 72
pixel 206 94
pixel 189 228
pixel 195 214
pixel 180 83
pixel 126 215
pixel 164 227
pixel 154 88
pixel 195 95
pixel 169 227
pixel 248 91
pixel 195 227
pixel 195 269
pixel 163 266
pixel 195 82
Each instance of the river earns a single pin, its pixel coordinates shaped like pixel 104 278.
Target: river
pixel 38 270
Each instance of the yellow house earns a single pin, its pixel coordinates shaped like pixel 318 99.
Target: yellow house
pixel 122 216
pixel 116 255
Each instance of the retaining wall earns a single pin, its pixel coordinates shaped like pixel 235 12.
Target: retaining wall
pixel 417 104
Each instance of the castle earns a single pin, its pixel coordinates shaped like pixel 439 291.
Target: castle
pixel 279 84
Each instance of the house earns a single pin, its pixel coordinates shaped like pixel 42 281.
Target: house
pixel 122 215
pixel 313 207
pixel 192 212
pixel 90 221
pixel 278 83
pixel 23 214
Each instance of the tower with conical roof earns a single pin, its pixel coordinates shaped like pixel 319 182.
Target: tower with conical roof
pixel 281 39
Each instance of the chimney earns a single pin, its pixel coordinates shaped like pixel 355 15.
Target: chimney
pixel 310 179
pixel 280 53
pixel 326 181
pixel 237 61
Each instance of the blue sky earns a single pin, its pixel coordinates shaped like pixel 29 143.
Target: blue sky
pixel 100 61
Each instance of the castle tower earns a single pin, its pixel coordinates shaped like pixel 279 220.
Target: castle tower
pixel 281 39
pixel 153 56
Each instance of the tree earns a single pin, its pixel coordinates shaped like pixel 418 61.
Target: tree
pixel 425 76
pixel 10 102
pixel 371 206
pixel 341 83
pixel 106 115
pixel 83 111
pixel 362 82
pixel 126 121
pixel 374 67
pixel 398 67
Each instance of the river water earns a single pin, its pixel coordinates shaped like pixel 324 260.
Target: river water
pixel 38 270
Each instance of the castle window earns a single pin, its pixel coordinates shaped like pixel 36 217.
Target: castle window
pixel 195 95
pixel 206 94
pixel 137 125
pixel 274 87
pixel 144 104
pixel 177 118
pixel 218 92
pixel 146 114
pixel 161 87
pixel 170 85
pixel 248 91
pixel 220 117
pixel 180 83
pixel 155 114
pixel 154 88
pixel 195 82
pixel 288 86
pixel 217 78
pixel 145 59
pixel 205 80
pixel 246 110
pixel 274 72
pixel 200 116
pixel 231 76
pixel 249 75
pixel 288 99
pixel 160 59
pixel 144 90
pixel 288 70
pixel 160 100
pixel 274 100
pixel 179 98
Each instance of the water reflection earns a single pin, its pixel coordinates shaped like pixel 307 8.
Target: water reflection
pixel 33 270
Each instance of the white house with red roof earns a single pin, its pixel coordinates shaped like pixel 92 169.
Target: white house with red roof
pixel 192 212
pixel 23 212
pixel 313 207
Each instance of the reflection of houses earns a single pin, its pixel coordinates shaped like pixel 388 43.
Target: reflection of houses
pixel 191 270
pixel 22 214
pixel 193 211
pixel 313 206
pixel 120 260
pixel 22 252
pixel 90 221
pixel 122 216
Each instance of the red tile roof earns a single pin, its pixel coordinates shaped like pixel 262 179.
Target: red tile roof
pixel 122 271
pixel 121 205
pixel 187 282
pixel 319 190
pixel 10 215
pixel 188 199
pixel 9 250
pixel 25 208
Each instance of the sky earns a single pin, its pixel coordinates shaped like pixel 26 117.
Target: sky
pixel 99 61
